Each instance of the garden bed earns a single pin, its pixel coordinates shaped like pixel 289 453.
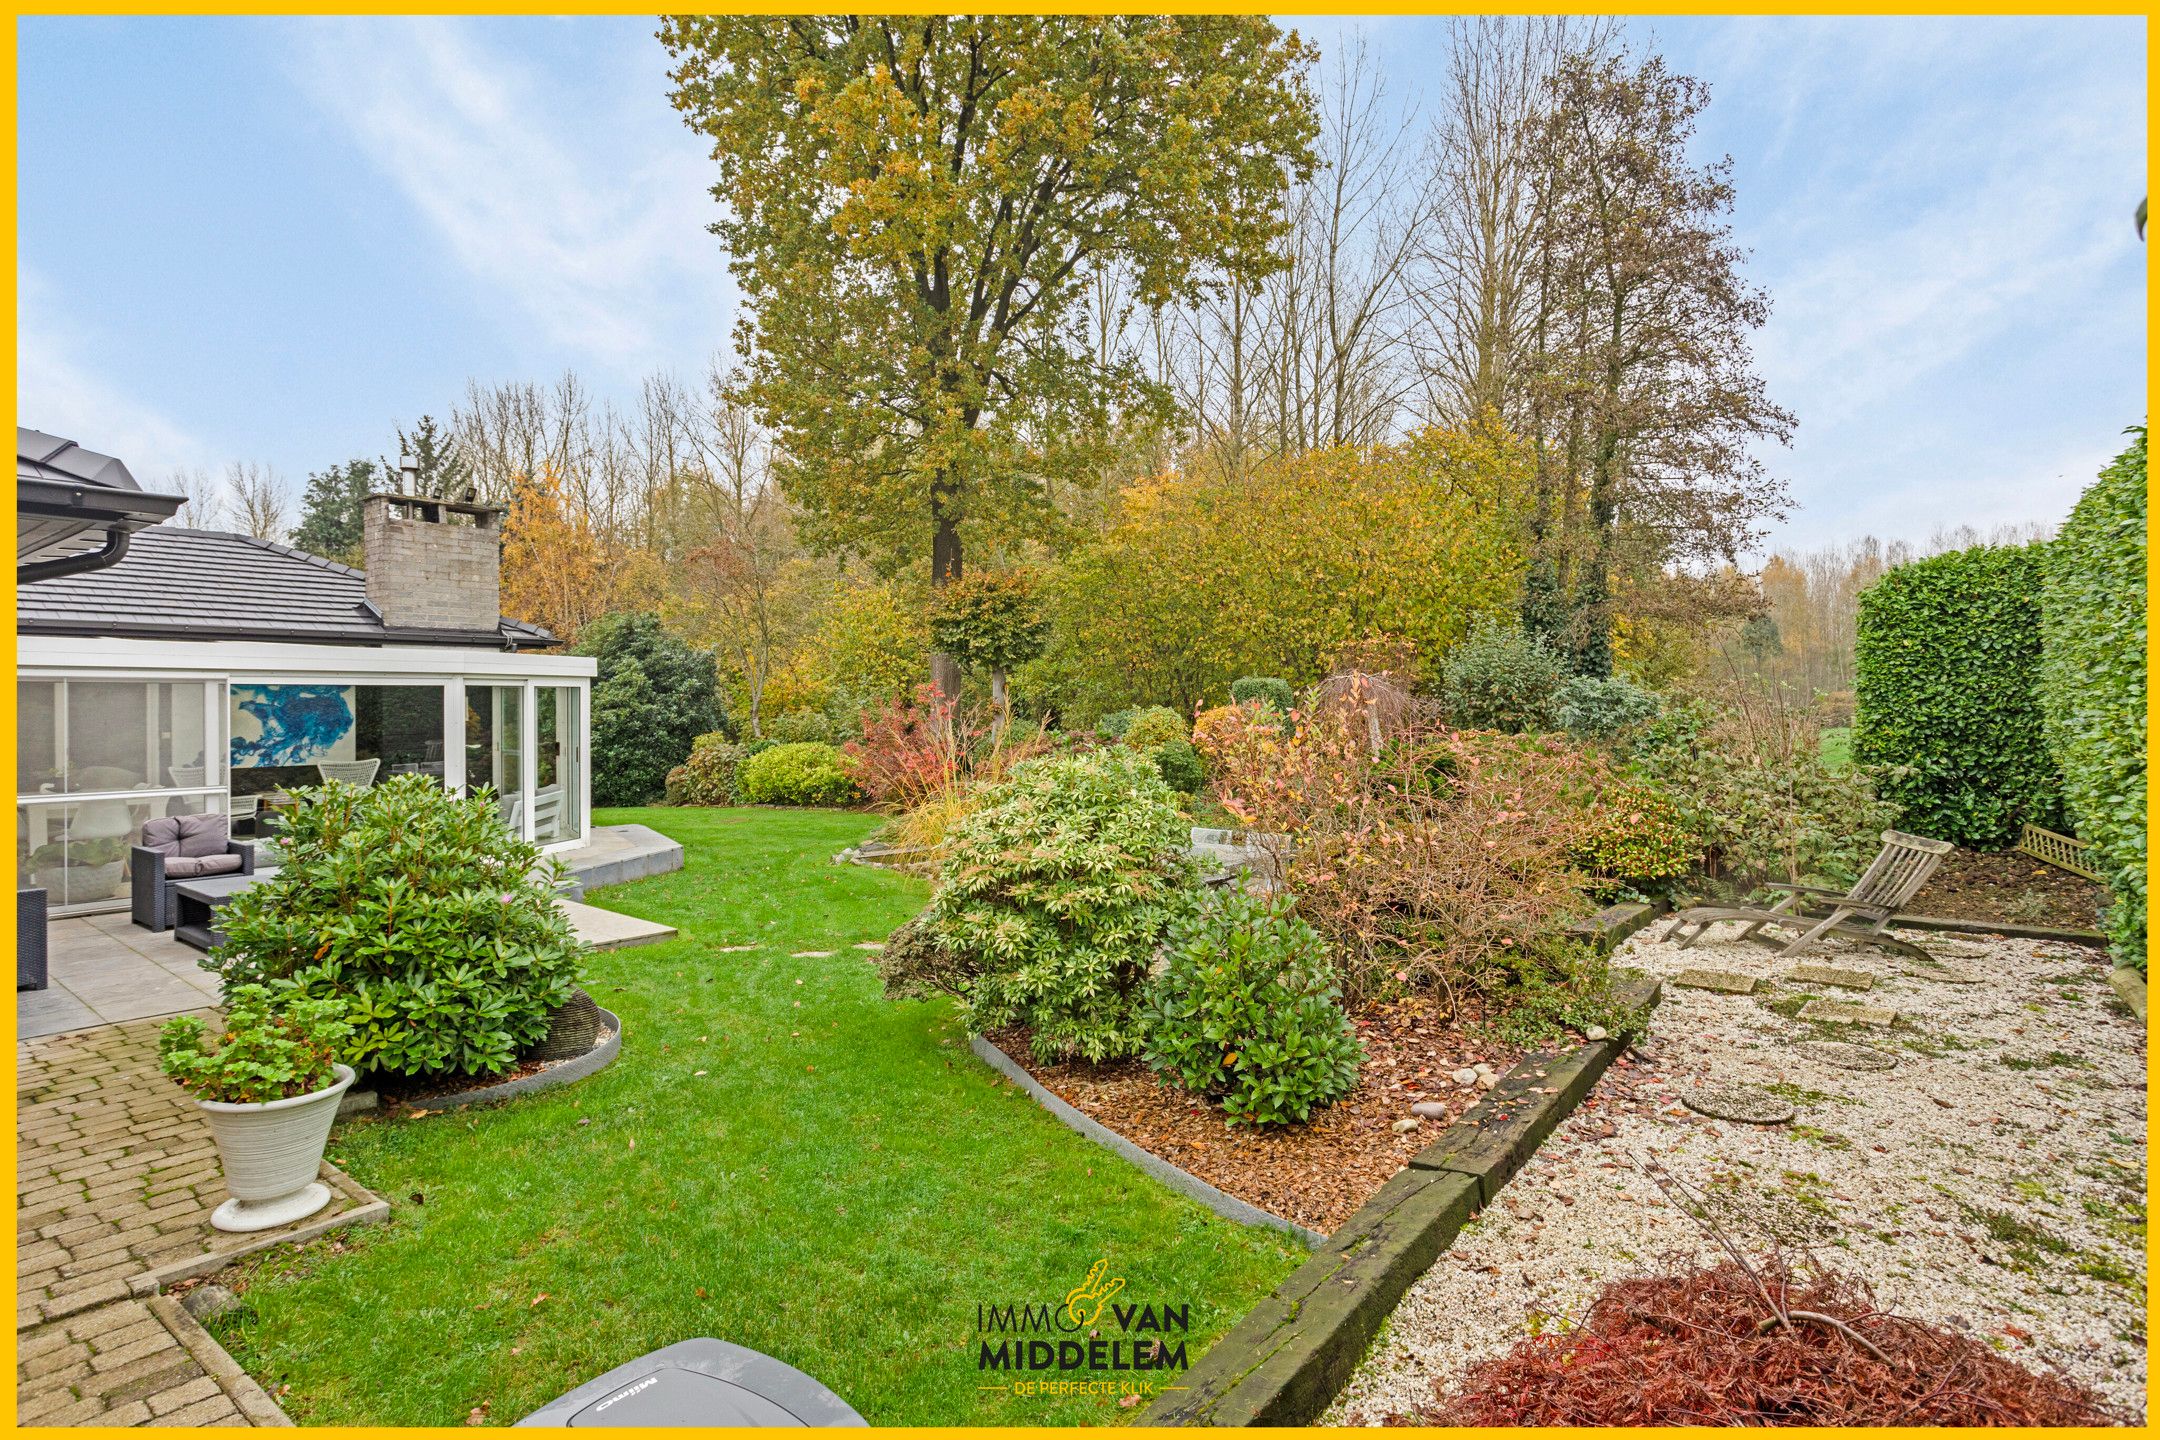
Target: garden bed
pixel 419 1097
pixel 2010 887
pixel 1316 1174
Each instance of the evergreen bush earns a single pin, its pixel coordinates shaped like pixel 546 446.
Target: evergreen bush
pixel 2092 683
pixel 1946 663
pixel 804 773
pixel 653 696
pixel 1052 896
pixel 1502 678
pixel 1245 1010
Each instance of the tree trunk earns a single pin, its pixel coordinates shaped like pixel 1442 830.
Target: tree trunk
pixel 944 568
pixel 1000 707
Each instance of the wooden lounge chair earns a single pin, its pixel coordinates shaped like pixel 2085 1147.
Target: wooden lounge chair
pixel 1864 913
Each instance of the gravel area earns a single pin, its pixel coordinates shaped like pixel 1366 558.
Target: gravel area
pixel 1991 1181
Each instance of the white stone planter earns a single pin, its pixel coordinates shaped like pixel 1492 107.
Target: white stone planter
pixel 272 1152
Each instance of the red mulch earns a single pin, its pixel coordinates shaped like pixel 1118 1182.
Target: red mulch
pixel 1685 1350
pixel 1318 1173
pixel 2015 889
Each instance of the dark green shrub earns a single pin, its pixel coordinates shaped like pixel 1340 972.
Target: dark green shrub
pixel 1501 678
pixel 1945 663
pixel 1114 725
pixel 805 773
pixel 422 914
pixel 1269 691
pixel 1179 765
pixel 1245 1010
pixel 1052 896
pixel 2092 683
pixel 266 1051
pixel 1156 725
pixel 653 696
pixel 708 776
pixel 1588 707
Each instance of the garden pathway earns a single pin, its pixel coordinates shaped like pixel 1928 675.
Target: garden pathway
pixel 1988 1178
pixel 116 1176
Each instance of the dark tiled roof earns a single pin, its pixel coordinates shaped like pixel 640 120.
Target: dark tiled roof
pixel 211 585
pixel 68 499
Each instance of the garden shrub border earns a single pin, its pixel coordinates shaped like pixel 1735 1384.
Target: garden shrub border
pixel 1184 1181
pixel 562 1073
pixel 1286 1361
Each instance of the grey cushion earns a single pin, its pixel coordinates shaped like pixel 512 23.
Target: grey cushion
pixel 194 867
pixel 201 834
pixel 162 835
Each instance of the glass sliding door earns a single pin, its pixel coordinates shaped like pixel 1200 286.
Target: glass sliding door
pixel 494 718
pixel 558 783
pixel 94 759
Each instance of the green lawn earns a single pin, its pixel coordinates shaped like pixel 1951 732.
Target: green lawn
pixel 781 1158
pixel 1837 748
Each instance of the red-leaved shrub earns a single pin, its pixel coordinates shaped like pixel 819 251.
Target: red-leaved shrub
pixel 1705 1349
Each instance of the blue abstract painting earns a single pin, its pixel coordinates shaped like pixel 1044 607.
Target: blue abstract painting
pixel 291 724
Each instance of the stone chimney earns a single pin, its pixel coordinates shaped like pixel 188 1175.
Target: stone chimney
pixel 434 564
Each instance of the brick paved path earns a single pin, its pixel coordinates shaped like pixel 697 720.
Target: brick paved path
pixel 116 1177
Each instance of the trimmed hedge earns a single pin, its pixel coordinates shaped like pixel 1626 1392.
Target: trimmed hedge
pixel 2092 683
pixel 1945 663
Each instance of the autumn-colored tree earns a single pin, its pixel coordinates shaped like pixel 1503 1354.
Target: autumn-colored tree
pixel 1206 578
pixel 915 209
pixel 1645 405
pixel 557 573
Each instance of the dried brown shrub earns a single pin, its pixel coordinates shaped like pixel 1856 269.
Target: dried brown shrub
pixel 1702 1348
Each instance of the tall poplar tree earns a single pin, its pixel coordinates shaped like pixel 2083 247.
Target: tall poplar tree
pixel 915 209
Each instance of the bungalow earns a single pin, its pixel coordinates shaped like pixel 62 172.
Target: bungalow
pixel 169 671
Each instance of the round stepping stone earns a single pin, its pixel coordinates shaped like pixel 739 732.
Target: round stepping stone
pixel 1845 1055
pixel 1733 1102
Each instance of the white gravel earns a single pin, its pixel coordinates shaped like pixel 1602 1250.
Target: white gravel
pixel 2018 1100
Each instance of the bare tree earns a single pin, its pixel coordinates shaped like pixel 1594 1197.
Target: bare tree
pixel 205 507
pixel 256 500
pixel 1491 179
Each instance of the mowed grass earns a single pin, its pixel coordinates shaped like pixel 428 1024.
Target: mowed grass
pixel 781 1157
pixel 1836 746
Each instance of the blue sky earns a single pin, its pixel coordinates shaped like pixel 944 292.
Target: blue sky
pixel 276 240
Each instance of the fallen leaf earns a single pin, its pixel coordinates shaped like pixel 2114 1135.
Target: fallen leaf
pixel 537 1299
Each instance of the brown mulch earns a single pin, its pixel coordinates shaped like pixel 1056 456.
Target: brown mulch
pixel 1316 1174
pixel 2015 889
pixel 1692 1349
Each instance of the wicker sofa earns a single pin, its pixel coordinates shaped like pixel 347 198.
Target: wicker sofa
pixel 176 849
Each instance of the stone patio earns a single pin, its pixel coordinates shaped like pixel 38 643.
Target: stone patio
pixel 116 1176
pixel 105 969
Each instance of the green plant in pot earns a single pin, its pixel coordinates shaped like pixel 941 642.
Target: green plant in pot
pixel 80 870
pixel 269 1089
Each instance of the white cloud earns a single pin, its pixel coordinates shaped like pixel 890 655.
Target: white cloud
pixel 596 245
pixel 59 389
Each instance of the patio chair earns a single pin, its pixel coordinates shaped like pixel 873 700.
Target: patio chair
pixel 1864 913
pixel 352 772
pixel 175 849
pixel 30 955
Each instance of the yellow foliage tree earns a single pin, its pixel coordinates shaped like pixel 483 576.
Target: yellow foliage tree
pixel 1202 579
pixel 558 572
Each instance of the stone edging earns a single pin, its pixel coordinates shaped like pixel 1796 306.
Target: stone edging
pixel 1227 1206
pixel 253 1402
pixel 1286 1361
pixel 598 1058
pixel 2129 983
pixel 364 1208
pixel 1998 927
